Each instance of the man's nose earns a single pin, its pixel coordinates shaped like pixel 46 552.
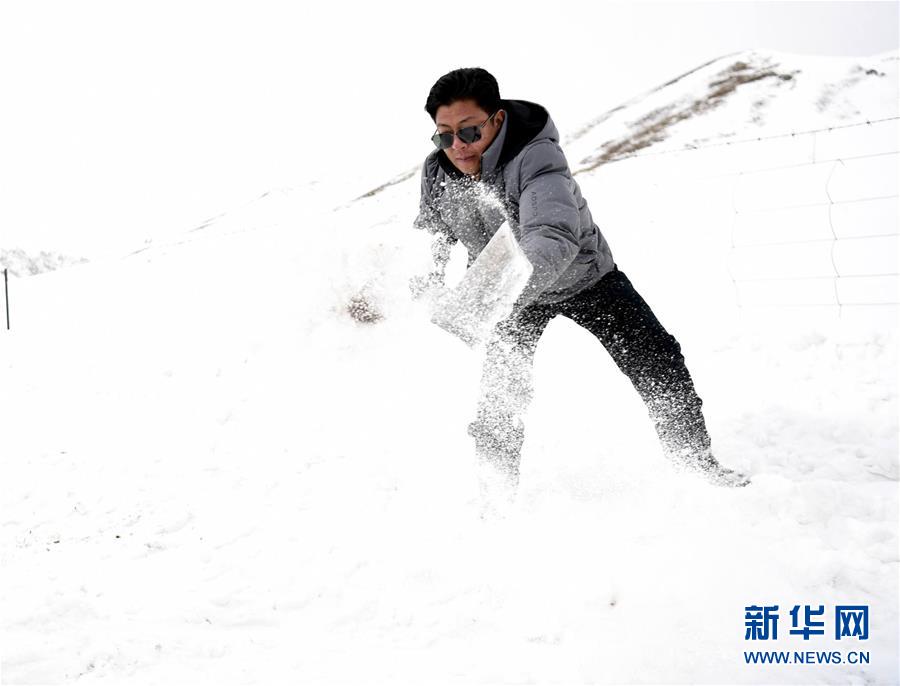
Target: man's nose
pixel 458 142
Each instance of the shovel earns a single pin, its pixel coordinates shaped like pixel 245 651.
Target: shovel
pixel 487 292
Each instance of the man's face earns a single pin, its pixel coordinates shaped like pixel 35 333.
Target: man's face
pixel 462 113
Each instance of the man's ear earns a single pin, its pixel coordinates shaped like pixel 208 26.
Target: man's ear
pixel 501 115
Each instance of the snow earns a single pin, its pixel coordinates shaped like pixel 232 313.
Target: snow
pixel 214 474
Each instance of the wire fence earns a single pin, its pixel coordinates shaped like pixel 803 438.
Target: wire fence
pixel 875 271
pixel 871 278
pixel 796 240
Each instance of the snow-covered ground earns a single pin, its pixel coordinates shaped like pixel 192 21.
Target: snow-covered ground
pixel 212 473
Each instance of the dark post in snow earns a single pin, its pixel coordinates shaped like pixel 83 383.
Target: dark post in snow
pixel 6 293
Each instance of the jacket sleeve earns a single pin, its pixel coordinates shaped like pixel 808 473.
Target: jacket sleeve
pixel 549 220
pixel 429 220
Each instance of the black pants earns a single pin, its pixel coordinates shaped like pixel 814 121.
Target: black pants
pixel 645 352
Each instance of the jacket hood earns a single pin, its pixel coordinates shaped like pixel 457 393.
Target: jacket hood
pixel 524 122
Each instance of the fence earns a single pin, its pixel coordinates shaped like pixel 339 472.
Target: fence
pixel 814 221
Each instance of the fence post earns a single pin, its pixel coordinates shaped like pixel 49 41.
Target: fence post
pixel 6 293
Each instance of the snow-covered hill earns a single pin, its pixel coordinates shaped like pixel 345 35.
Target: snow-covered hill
pixel 214 470
pixel 738 97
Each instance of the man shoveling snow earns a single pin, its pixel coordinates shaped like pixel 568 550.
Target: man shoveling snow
pixel 500 161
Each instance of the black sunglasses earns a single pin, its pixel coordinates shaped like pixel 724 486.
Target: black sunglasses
pixel 469 134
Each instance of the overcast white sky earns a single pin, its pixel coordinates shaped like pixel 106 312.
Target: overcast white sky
pixel 124 119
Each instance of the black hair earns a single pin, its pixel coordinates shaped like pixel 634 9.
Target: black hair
pixel 461 84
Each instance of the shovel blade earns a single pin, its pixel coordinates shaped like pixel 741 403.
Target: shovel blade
pixel 487 292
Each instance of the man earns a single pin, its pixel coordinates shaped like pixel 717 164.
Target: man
pixel 499 160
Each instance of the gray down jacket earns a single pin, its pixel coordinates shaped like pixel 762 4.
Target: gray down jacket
pixel 525 179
